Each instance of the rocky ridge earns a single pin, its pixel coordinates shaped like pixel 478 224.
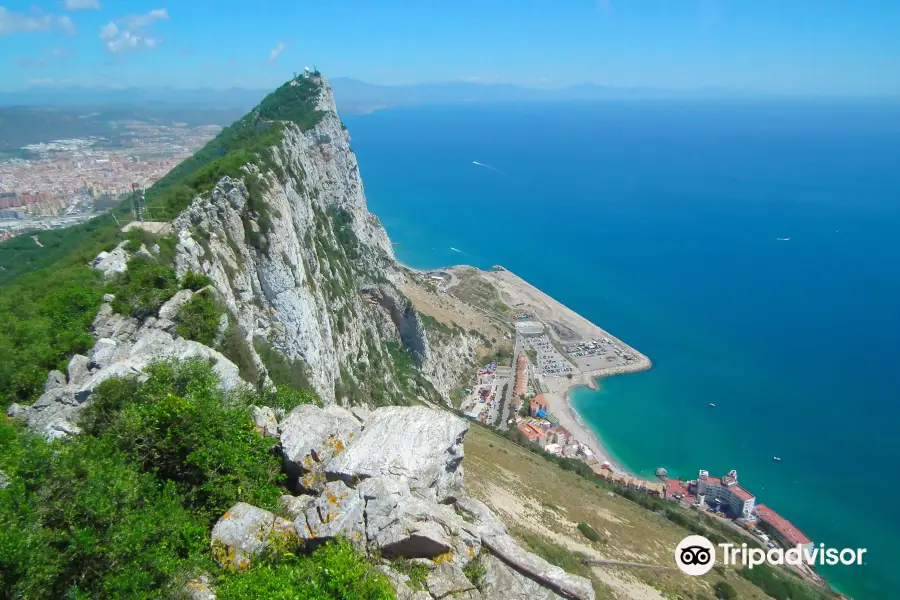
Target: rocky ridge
pixel 391 483
pixel 306 269
pixel 125 347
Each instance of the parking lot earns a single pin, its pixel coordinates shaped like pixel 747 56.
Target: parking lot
pixel 598 354
pixel 549 360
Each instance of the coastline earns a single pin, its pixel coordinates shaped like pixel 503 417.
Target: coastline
pixel 566 326
pixel 560 404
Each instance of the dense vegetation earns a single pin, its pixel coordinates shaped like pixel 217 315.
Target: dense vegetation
pixel 124 510
pixel 48 297
pixel 247 140
pixel 43 322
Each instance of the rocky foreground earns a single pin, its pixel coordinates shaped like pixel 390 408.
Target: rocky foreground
pixel 390 481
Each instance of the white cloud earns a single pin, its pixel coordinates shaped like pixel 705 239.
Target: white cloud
pixel 108 31
pixel 36 20
pixel 82 4
pixel 145 20
pixel 130 32
pixel 276 52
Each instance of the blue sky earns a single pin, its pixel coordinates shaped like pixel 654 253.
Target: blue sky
pixel 783 46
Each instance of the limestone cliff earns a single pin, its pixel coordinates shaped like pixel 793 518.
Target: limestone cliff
pixel 305 269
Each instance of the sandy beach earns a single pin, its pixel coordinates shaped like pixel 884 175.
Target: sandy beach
pixel 560 406
pixel 567 327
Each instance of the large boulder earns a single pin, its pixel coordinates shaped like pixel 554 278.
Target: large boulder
pixel 113 262
pixel 310 437
pixel 79 369
pixel 171 308
pixel 422 445
pixel 53 415
pixel 109 324
pixel 295 507
pixel 338 511
pixel 477 512
pixel 55 379
pixel 265 421
pixel 104 353
pixel 245 531
pixel 401 524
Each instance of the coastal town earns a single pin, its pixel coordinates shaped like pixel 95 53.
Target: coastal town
pixel 554 351
pixel 63 182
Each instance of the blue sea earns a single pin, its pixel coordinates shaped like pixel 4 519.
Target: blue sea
pixel 659 222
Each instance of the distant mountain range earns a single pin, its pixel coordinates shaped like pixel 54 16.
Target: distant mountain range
pixel 352 96
pixel 60 96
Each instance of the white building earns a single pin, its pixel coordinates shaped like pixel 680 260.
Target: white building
pixel 727 491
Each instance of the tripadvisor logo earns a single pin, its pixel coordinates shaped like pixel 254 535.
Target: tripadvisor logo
pixel 696 555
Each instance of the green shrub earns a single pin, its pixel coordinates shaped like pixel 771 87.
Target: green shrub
pixel 195 281
pixel 417 573
pixel 283 371
pixel 199 319
pixel 180 426
pixel 144 287
pixel 44 320
pixel 475 571
pixel 724 591
pixel 589 532
pixel 285 398
pixel 780 585
pixel 334 571
pixel 80 520
pixel 237 350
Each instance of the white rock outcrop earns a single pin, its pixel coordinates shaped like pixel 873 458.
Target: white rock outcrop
pixel 245 531
pixel 125 348
pixel 422 445
pixel 112 262
pixel 384 514
pixel 311 437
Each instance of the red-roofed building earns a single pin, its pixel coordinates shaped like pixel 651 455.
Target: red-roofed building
pixel 538 405
pixel 532 433
pixel 678 490
pixel 737 501
pixel 782 529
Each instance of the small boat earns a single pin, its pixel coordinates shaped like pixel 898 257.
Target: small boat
pixel 776 459
pixel 711 404
pixel 783 239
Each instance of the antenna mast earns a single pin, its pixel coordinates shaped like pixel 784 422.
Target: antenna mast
pixel 137 202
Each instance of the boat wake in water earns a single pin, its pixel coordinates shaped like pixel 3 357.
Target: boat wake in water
pixel 486 166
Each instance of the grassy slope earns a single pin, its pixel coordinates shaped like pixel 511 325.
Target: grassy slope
pixel 535 498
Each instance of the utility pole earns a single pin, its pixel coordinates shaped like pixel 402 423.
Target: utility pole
pixel 137 202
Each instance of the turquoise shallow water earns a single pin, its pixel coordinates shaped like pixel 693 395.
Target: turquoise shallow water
pixel 659 223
